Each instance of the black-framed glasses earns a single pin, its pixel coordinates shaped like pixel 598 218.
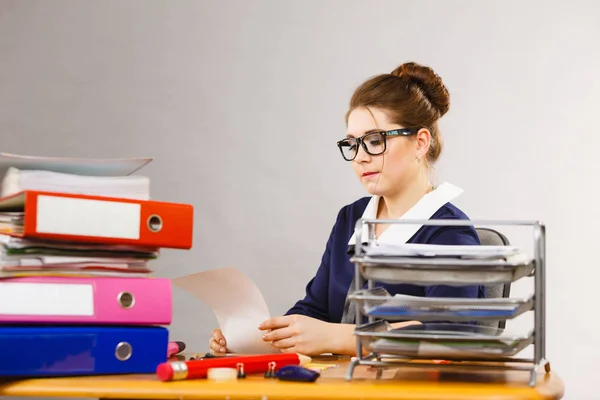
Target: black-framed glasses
pixel 373 143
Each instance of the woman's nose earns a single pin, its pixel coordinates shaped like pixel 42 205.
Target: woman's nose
pixel 362 155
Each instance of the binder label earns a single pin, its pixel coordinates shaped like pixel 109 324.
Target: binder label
pixel 25 298
pixel 88 217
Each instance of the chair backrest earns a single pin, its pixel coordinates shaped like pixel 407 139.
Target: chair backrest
pixel 491 237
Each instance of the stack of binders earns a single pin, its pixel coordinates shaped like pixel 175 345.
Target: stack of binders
pixel 76 292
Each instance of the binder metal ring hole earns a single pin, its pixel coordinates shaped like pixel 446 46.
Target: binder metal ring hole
pixel 123 351
pixel 155 223
pixel 126 300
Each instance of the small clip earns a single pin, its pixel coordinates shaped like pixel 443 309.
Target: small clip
pixel 241 373
pixel 271 371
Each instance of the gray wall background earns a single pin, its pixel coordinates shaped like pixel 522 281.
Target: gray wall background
pixel 241 102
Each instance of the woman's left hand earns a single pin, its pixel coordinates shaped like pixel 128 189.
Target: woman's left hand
pixel 300 334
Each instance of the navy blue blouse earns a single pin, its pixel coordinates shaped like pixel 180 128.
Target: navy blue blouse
pixel 326 292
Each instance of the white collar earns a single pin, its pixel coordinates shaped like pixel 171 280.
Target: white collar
pixel 424 209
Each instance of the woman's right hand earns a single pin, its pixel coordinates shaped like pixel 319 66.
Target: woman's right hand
pixel 217 343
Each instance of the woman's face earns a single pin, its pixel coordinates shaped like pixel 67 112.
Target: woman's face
pixel 388 173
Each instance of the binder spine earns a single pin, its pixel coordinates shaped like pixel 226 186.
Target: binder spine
pixel 95 219
pixel 77 350
pixel 78 300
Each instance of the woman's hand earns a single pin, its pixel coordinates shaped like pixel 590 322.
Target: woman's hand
pixel 217 343
pixel 310 336
pixel 302 334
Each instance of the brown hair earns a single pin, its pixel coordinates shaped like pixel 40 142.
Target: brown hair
pixel 412 96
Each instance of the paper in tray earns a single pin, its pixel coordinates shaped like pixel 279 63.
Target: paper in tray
pixel 433 250
pixel 425 349
pixel 393 309
pixel 439 340
pixel 437 271
pixel 377 302
pixel 404 312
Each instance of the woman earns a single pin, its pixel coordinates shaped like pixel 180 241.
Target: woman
pixel 392 141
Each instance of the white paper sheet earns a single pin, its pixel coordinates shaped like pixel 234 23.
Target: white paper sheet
pixel 71 165
pixel 237 303
pixel 432 250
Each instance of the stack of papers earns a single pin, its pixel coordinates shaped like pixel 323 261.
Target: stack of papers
pixel 377 302
pixel 407 306
pixel 17 253
pixel 445 251
pixel 29 257
pixel 99 177
pixel 439 340
pixel 70 165
pixel 11 222
pixel 127 187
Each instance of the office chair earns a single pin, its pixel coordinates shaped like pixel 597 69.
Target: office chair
pixel 491 237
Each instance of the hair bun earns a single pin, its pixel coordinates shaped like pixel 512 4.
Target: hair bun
pixel 429 82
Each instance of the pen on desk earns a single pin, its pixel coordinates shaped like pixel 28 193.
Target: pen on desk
pixel 197 369
pixel 174 348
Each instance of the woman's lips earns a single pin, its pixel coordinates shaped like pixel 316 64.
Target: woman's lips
pixel 369 174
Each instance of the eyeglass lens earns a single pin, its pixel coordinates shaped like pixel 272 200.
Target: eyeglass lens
pixel 374 143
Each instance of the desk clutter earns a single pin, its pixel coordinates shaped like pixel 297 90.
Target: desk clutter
pixel 77 295
pixel 454 330
pixel 286 367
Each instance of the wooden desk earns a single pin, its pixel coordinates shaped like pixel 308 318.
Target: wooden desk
pixel 395 383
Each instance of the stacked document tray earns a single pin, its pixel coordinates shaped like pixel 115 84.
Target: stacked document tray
pixel 450 328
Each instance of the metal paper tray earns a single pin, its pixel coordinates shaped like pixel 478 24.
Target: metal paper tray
pixel 379 303
pixel 434 271
pixel 378 337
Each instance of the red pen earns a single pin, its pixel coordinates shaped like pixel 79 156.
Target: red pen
pixel 197 369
